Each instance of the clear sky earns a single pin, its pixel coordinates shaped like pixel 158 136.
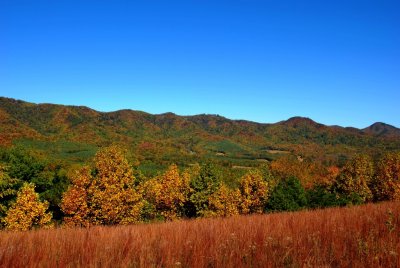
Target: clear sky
pixel 337 62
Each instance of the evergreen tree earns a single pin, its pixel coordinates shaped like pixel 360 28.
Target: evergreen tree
pixel 288 195
pixel 203 186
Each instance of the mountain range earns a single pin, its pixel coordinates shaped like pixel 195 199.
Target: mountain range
pixel 74 132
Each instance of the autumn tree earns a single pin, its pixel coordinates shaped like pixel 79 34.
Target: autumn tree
pixel 254 193
pixel 386 184
pixel 224 202
pixel 355 178
pixel 107 193
pixel 27 212
pixel 75 201
pixel 308 172
pixel 112 193
pixel 168 192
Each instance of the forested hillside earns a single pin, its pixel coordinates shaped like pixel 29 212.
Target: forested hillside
pixel 74 133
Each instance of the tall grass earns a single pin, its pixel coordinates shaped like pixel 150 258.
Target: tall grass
pixel 362 236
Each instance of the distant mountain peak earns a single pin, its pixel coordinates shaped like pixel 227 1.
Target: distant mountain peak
pixel 298 121
pixel 382 129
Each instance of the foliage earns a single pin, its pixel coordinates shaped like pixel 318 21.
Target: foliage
pixel 73 133
pixel 75 201
pixel 57 176
pixel 60 150
pixel 254 193
pixel 224 202
pixel 117 189
pixel 202 186
pixel 31 166
pixel 288 195
pixel 267 175
pixel 355 178
pixel 107 196
pixel 321 197
pixel 24 165
pixel 168 192
pixel 27 212
pixel 112 192
pixel 307 171
pixel 8 190
pixel 386 184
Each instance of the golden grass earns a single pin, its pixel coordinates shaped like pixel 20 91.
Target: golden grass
pixel 362 236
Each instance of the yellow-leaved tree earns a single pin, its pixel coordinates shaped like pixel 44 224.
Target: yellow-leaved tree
pixel 27 211
pixel 386 184
pixel 114 199
pixel 224 202
pixel 168 192
pixel 355 178
pixel 254 193
pixel 107 195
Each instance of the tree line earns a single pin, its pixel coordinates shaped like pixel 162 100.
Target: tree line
pixel 108 191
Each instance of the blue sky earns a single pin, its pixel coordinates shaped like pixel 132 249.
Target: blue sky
pixel 337 62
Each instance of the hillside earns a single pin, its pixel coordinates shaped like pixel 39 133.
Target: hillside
pixel 74 132
pixel 382 129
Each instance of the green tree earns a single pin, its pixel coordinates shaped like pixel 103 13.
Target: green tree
pixel 58 184
pixel 202 187
pixel 49 177
pixel 23 165
pixel 320 197
pixel 288 195
pixel 8 190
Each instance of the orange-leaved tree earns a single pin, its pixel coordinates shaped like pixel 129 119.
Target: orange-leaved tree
pixel 27 211
pixel 308 172
pixel 75 202
pixel 108 195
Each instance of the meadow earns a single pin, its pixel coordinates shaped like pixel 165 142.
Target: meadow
pixel 357 236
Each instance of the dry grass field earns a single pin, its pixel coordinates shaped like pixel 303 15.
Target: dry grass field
pixel 360 236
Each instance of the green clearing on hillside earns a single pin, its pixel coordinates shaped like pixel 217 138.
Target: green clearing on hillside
pixel 60 150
